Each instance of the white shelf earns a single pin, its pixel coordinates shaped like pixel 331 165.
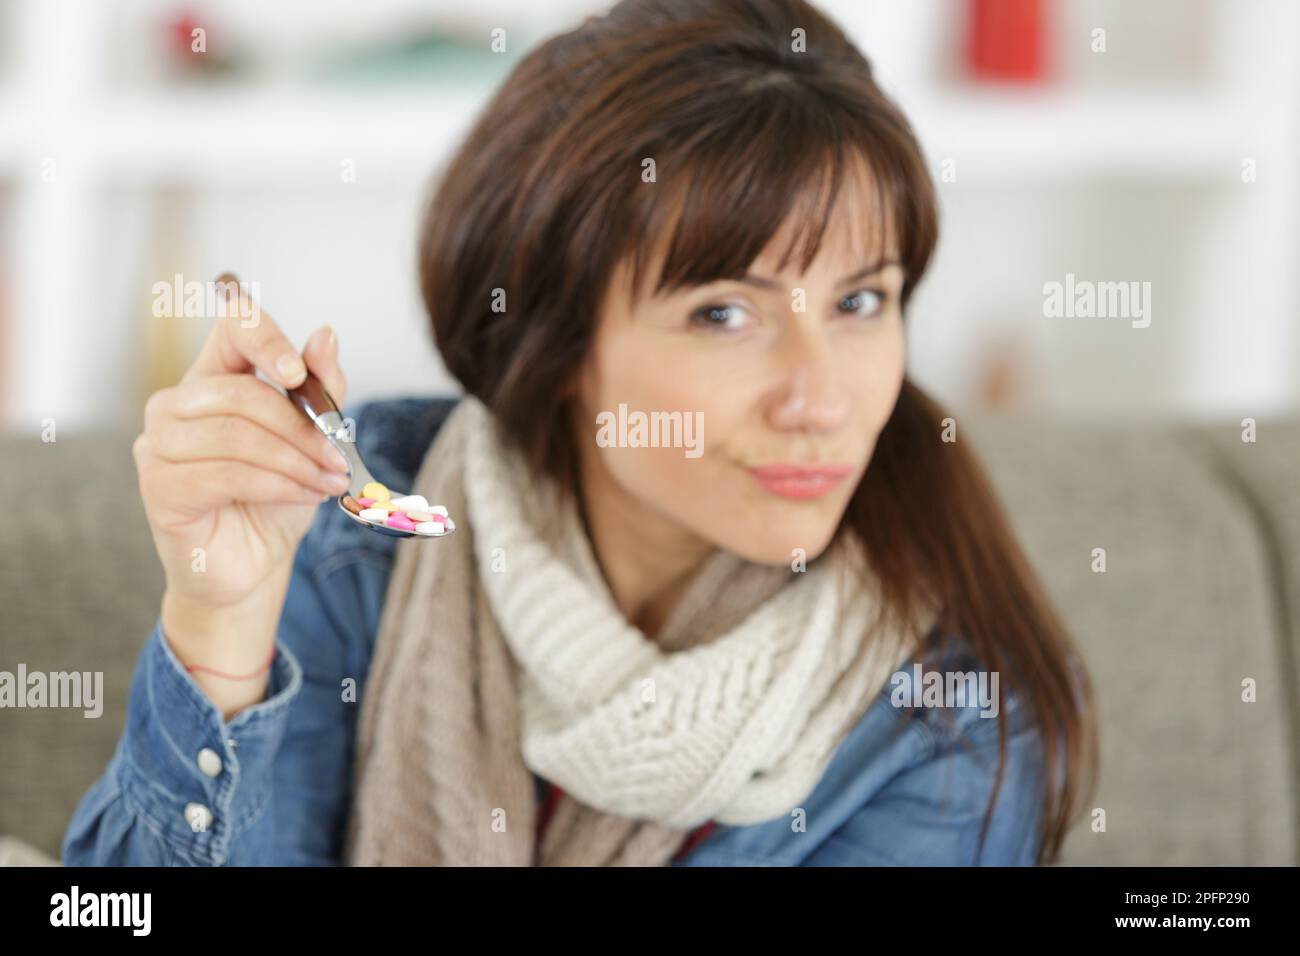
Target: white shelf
pixel 1050 134
pixel 288 137
pixel 291 141
pixel 302 137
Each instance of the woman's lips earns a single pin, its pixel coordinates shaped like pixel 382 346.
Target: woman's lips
pixel 794 481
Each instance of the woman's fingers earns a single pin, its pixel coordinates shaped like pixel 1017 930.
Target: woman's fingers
pixel 322 356
pixel 246 338
pixel 190 488
pixel 247 397
pixel 231 437
pixel 226 460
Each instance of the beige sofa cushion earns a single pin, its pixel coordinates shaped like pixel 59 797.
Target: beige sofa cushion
pixel 1202 537
pixel 1186 610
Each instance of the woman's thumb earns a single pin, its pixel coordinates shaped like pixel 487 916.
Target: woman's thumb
pixel 322 356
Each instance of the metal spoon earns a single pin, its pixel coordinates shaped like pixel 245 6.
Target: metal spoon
pixel 313 401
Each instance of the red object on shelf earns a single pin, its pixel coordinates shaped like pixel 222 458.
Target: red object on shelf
pixel 180 34
pixel 1007 40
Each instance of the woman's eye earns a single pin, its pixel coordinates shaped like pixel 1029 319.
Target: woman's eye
pixel 865 303
pixel 725 318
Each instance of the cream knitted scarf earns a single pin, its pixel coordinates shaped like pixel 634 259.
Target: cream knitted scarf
pixel 501 651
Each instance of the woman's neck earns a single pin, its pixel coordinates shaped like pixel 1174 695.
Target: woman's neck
pixel 646 559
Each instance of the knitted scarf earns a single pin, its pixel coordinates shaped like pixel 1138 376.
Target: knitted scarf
pixel 501 651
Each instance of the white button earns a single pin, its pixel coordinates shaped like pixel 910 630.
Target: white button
pixel 198 816
pixel 209 761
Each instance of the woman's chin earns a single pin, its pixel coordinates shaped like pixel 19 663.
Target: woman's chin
pixel 793 547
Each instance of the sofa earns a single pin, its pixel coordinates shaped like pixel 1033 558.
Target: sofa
pixel 1199 605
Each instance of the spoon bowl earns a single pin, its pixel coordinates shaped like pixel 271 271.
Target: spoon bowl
pixel 320 409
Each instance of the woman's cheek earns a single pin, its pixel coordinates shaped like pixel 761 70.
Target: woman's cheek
pixel 874 369
pixel 665 479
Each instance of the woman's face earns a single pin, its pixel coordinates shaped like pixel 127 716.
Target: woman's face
pixel 768 393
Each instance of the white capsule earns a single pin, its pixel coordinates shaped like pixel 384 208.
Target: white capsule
pixel 377 515
pixel 430 527
pixel 438 510
pixel 411 503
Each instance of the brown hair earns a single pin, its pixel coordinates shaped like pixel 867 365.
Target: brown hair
pixel 546 197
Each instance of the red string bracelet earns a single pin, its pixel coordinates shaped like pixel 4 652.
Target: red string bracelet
pixel 210 670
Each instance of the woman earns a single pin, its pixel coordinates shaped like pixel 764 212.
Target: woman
pixel 694 641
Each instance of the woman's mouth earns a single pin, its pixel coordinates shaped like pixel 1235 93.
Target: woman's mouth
pixel 794 481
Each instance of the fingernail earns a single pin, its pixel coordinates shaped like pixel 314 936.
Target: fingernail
pixel 228 285
pixel 332 341
pixel 291 368
pixel 336 483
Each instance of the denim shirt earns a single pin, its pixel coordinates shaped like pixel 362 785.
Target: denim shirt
pixel 273 785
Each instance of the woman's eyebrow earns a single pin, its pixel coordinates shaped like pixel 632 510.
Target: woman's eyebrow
pixel 879 265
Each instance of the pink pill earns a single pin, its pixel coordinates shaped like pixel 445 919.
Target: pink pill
pixel 365 502
pixel 400 521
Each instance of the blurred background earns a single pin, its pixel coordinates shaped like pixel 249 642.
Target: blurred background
pixel 1114 141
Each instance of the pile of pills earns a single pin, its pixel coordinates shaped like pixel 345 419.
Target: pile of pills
pixel 408 513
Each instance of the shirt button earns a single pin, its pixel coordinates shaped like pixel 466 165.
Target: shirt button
pixel 209 761
pixel 198 816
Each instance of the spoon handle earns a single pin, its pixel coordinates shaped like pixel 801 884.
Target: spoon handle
pixel 321 410
pixel 312 399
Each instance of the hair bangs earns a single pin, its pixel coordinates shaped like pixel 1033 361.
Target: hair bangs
pixel 795 173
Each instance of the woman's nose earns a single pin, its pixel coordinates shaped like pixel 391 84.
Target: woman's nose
pixel 811 399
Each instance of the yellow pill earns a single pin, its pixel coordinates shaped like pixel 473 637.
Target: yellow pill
pixel 386 505
pixel 375 492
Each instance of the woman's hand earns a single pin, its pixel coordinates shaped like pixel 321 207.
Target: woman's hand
pixel 231 475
